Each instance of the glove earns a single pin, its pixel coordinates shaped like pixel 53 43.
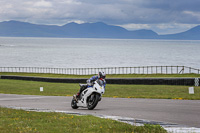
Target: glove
pixel 88 81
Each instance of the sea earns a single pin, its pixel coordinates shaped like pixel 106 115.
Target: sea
pixel 97 53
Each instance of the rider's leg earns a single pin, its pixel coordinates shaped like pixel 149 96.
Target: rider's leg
pixel 81 89
pixel 77 96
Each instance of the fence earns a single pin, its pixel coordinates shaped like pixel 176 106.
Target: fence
pixel 108 70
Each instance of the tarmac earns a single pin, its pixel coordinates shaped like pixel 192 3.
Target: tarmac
pixel 173 115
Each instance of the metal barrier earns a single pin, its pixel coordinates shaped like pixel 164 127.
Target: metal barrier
pixel 144 81
pixel 108 70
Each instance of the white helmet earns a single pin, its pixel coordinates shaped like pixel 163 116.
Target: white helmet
pixel 102 75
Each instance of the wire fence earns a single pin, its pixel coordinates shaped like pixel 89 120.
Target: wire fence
pixel 108 70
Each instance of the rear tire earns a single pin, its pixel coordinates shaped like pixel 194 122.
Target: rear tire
pixel 92 101
pixel 74 104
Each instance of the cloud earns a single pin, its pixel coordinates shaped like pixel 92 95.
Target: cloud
pixel 171 28
pixel 192 13
pixel 136 26
pixel 163 28
pixel 113 11
pixel 43 4
pixel 130 13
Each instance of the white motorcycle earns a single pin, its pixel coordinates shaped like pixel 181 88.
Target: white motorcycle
pixel 90 96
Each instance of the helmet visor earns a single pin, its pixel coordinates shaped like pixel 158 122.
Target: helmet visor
pixel 103 77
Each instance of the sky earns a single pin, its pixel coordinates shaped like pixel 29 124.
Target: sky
pixel 161 16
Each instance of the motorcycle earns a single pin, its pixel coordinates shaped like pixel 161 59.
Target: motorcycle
pixel 89 97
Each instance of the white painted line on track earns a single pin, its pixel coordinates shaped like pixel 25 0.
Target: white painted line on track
pixel 10 99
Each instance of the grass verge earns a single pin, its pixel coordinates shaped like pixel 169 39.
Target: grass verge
pixel 19 121
pixel 121 91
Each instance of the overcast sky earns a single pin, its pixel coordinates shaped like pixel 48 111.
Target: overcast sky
pixel 162 16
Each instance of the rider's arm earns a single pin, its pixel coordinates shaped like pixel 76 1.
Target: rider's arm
pixel 93 78
pixel 105 84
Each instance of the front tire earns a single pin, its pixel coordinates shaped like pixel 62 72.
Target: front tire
pixel 93 101
pixel 74 104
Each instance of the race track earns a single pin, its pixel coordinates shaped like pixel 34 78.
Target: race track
pixel 182 112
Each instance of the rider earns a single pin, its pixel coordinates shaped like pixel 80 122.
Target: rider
pixel 101 75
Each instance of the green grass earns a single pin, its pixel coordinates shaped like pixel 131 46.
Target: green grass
pixel 152 91
pixel 108 75
pixel 19 121
pixel 33 88
pixel 112 90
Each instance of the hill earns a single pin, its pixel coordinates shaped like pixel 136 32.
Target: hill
pixel 87 30
pixel 71 30
pixel 192 34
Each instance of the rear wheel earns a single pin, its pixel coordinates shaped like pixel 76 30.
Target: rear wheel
pixel 74 104
pixel 92 101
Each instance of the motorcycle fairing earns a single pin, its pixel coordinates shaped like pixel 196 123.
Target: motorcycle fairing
pixel 96 88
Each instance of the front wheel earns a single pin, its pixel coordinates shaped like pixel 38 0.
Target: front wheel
pixel 74 104
pixel 93 101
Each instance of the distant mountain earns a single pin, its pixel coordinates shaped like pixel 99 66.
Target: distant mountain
pixel 192 34
pixel 23 29
pixel 87 30
pixel 71 30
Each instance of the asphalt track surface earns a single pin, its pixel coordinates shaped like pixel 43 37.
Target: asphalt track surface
pixel 182 112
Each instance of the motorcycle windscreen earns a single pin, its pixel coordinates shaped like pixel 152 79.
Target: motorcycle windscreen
pixel 100 82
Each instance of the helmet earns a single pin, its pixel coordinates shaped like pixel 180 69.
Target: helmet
pixel 102 75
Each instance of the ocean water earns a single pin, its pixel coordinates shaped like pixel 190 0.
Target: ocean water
pixel 97 53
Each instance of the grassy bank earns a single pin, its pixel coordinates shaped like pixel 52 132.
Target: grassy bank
pixel 19 121
pixel 108 75
pixel 123 91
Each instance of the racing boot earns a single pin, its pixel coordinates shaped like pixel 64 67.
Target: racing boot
pixel 76 97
